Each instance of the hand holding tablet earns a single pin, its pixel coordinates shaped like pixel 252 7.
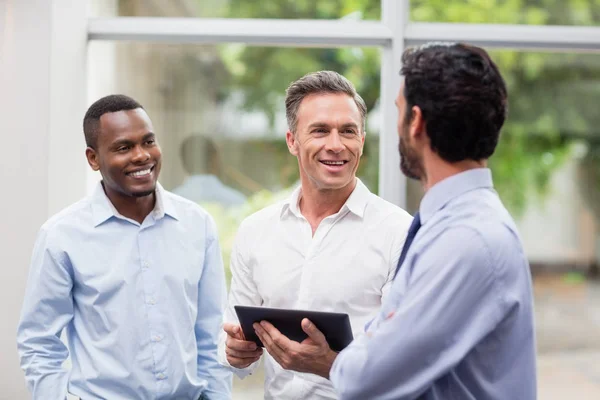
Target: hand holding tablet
pixel 335 326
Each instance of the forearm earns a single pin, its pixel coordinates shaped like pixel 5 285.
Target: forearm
pixel 41 360
pixel 346 372
pixel 47 309
pixel 219 380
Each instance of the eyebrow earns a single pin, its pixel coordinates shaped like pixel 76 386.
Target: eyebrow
pixel 127 142
pixel 326 125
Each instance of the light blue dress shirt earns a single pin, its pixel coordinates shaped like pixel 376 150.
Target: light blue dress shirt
pixel 142 304
pixel 458 322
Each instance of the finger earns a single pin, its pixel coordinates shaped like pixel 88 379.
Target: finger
pixel 311 330
pixel 277 337
pixel 243 354
pixel 273 349
pixel 240 345
pixel 233 330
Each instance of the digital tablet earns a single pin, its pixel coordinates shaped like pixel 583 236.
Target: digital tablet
pixel 335 326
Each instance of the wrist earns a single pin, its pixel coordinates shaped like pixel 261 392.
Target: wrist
pixel 327 364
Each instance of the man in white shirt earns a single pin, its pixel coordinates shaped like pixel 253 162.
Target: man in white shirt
pixel 332 246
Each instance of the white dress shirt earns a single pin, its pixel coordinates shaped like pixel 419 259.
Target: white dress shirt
pixel 347 267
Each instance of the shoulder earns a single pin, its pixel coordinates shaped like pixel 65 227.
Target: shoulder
pixel 386 214
pixel 487 245
pixel 76 214
pixel 263 218
pixel 187 209
pixel 64 226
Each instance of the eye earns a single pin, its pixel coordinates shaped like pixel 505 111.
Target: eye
pixel 122 149
pixel 319 130
pixel 349 132
pixel 150 142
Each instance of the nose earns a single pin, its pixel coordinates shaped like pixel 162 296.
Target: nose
pixel 334 142
pixel 140 155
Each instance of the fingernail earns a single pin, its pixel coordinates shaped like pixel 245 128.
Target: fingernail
pixel 263 323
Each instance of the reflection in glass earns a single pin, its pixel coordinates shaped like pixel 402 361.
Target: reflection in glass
pixel 218 112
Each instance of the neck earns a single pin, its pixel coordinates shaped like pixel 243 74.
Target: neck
pixel 317 204
pixel 135 208
pixel 437 169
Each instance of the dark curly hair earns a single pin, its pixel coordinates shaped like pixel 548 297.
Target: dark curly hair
pixel 462 97
pixel 107 104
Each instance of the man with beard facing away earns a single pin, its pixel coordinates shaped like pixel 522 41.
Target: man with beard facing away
pixel 134 273
pixel 458 322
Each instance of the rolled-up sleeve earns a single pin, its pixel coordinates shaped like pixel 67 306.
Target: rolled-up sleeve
pixel 47 309
pixel 450 304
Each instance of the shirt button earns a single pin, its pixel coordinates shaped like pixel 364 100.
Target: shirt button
pixel 152 301
pixel 145 264
pixel 161 376
pixel 156 338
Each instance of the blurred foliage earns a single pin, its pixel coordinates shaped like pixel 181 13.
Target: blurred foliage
pixel 528 12
pixel 547 104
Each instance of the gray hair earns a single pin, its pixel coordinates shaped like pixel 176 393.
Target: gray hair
pixel 316 83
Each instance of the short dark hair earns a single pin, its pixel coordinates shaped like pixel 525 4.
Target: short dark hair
pixel 107 104
pixel 318 83
pixel 462 97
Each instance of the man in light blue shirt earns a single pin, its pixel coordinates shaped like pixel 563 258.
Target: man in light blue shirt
pixel 134 274
pixel 458 323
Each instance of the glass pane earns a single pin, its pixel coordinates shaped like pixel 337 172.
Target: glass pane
pixel 547 171
pixel 218 112
pixel 287 9
pixel 531 12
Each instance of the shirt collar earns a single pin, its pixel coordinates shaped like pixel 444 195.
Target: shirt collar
pixel 356 203
pixel 444 191
pixel 103 209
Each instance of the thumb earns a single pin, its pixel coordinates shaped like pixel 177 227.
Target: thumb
pixel 312 331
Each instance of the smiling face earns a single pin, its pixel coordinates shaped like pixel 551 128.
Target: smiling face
pixel 127 154
pixel 328 141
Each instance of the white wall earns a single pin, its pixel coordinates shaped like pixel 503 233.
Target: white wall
pixel 561 228
pixel 42 103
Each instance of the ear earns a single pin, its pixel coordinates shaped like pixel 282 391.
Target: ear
pixel 417 123
pixel 92 158
pixel 292 144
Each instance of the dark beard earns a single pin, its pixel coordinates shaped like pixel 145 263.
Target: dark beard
pixel 408 163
